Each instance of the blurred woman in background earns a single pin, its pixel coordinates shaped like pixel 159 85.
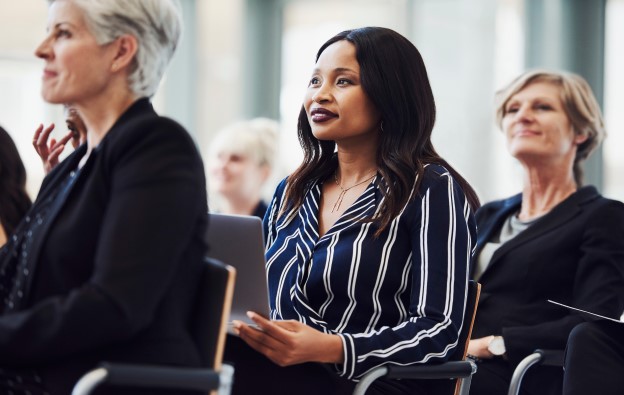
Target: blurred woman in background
pixel 14 201
pixel 242 157
pixel 555 240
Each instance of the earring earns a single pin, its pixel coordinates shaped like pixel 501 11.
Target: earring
pixel 381 127
pixel 114 67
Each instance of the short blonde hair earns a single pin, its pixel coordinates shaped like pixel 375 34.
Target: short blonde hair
pixel 256 139
pixel 579 103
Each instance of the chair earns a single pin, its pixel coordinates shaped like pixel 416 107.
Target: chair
pixel 457 368
pixel 209 329
pixel 538 357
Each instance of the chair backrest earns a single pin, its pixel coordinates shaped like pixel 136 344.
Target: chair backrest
pixel 472 302
pixel 212 310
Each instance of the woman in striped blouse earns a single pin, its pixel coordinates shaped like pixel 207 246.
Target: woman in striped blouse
pixel 369 240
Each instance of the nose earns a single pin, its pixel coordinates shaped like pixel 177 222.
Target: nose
pixel 322 94
pixel 43 50
pixel 524 114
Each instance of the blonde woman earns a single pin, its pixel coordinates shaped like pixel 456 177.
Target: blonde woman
pixel 556 240
pixel 242 157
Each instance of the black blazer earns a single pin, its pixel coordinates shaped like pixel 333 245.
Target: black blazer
pixel 116 269
pixel 574 255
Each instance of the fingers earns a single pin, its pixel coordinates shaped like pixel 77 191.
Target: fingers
pixel 55 153
pixel 46 133
pixel 54 144
pixel 37 134
pixel 267 333
pixel 262 341
pixel 272 328
pixel 40 141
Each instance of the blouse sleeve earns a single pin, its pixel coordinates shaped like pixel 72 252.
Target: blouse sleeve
pixel 442 233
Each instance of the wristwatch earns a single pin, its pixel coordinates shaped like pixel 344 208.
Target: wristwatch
pixel 497 346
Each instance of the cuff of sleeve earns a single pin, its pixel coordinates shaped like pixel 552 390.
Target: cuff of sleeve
pixel 348 365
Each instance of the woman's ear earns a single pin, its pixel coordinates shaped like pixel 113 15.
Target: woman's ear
pixel 125 48
pixel 580 139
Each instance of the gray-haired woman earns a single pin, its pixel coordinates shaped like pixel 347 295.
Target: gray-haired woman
pixel 104 265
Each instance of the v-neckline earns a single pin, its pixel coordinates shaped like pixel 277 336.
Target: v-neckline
pixel 341 219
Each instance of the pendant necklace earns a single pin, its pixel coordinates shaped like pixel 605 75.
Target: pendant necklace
pixel 343 191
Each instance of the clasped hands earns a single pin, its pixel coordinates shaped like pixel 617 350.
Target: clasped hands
pixel 289 342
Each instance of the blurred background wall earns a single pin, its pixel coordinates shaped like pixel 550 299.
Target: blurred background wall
pixel 245 58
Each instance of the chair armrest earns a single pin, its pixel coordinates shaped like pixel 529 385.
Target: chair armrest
pixel 539 357
pixel 446 370
pixel 182 378
pixel 551 357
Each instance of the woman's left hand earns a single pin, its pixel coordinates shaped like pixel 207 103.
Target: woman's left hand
pixel 479 347
pixel 289 342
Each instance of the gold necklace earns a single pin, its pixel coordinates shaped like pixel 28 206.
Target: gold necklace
pixel 343 191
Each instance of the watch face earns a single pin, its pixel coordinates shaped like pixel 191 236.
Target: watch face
pixel 497 346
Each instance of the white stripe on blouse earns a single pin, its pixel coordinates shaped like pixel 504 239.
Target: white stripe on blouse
pixel 396 299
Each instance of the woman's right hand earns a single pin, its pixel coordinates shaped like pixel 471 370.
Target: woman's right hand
pixel 49 152
pixel 290 342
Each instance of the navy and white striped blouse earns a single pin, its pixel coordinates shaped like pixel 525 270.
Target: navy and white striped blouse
pixel 396 299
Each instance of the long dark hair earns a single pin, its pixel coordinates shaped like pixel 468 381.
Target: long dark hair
pixel 14 201
pixel 394 77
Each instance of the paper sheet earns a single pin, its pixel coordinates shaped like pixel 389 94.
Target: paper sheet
pixel 586 312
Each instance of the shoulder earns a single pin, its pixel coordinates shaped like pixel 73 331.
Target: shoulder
pixel 280 190
pixel 588 198
pixel 149 128
pixel 438 178
pixel 140 131
pixel 437 189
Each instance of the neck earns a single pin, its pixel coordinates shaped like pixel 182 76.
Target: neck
pixel 544 188
pixel 354 167
pixel 99 112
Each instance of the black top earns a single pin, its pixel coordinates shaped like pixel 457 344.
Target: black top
pixel 114 263
pixel 260 210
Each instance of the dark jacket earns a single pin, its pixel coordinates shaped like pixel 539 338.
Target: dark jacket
pixel 574 255
pixel 116 267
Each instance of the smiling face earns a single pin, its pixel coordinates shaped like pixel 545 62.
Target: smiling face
pixel 77 68
pixel 237 175
pixel 536 125
pixel 335 103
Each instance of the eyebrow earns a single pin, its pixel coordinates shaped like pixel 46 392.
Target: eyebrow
pixel 60 24
pixel 338 69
